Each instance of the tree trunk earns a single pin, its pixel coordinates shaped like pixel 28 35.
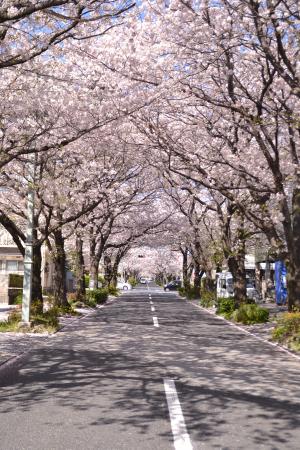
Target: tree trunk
pixel 60 288
pixel 120 254
pixel 293 263
pixel 235 256
pixel 236 266
pixel 197 279
pixel 114 278
pixel 94 264
pixel 108 270
pixel 209 281
pixel 94 271
pixel 79 270
pixel 37 294
pixel 185 269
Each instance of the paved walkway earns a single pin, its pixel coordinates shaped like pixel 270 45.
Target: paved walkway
pixel 106 382
pixel 5 310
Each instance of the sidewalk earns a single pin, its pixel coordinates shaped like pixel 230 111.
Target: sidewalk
pixel 15 344
pixel 4 311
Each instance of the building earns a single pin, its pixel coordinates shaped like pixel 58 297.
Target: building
pixel 12 270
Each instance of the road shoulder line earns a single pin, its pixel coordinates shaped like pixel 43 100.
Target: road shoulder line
pixel 272 344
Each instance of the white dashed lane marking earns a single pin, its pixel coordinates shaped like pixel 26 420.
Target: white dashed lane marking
pixel 180 435
pixel 155 321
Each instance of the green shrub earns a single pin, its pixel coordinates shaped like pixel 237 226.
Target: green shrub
pixel 192 293
pixel 250 313
pixel 97 296
pixel 112 290
pixel 18 299
pixel 9 325
pixel 101 280
pixel 66 309
pixel 14 315
pixel 41 322
pixel 78 304
pixel 132 281
pixel 48 318
pixel 287 330
pixel 225 306
pixel 87 280
pixel 249 301
pixel 208 299
pixel 91 302
pixel 181 292
pixel 36 307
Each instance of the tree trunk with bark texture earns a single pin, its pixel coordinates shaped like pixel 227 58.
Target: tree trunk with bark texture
pixel 94 264
pixel 37 294
pixel 108 269
pixel 114 278
pixel 185 270
pixel 60 288
pixel 293 265
pixel 209 281
pixel 94 271
pixel 236 266
pixel 79 270
pixel 197 279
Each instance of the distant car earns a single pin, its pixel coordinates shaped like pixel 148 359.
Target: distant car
pixel 172 286
pixel 123 286
pixel 143 280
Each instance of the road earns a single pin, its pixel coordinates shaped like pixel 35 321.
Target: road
pixel 106 382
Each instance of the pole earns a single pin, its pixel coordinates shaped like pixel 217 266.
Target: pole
pixel 28 260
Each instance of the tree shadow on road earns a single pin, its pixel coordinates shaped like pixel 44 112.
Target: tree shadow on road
pixel 113 375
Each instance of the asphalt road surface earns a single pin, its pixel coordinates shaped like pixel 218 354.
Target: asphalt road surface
pixel 151 373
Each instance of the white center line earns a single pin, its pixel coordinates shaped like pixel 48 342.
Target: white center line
pixel 155 321
pixel 151 302
pixel 181 437
pixel 152 308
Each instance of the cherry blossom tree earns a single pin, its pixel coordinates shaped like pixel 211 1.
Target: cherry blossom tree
pixel 227 90
pixel 30 28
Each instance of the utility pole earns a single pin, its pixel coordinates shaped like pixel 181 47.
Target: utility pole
pixel 28 260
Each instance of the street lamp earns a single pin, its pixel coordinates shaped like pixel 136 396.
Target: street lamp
pixel 28 259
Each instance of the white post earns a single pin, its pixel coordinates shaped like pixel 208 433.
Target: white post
pixel 28 260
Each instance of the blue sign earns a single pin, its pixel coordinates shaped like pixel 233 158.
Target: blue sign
pixel 280 283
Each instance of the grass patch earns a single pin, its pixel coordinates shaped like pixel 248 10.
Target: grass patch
pixel 225 306
pixel 250 314
pixel 132 281
pixel 41 322
pixel 191 293
pixel 96 297
pixel 287 330
pixel 112 290
pixel 208 299
pixel 9 325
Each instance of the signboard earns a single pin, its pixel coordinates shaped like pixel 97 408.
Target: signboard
pixel 280 283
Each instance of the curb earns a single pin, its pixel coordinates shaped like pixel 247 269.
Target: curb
pixel 272 344
pixel 13 360
pixel 83 316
